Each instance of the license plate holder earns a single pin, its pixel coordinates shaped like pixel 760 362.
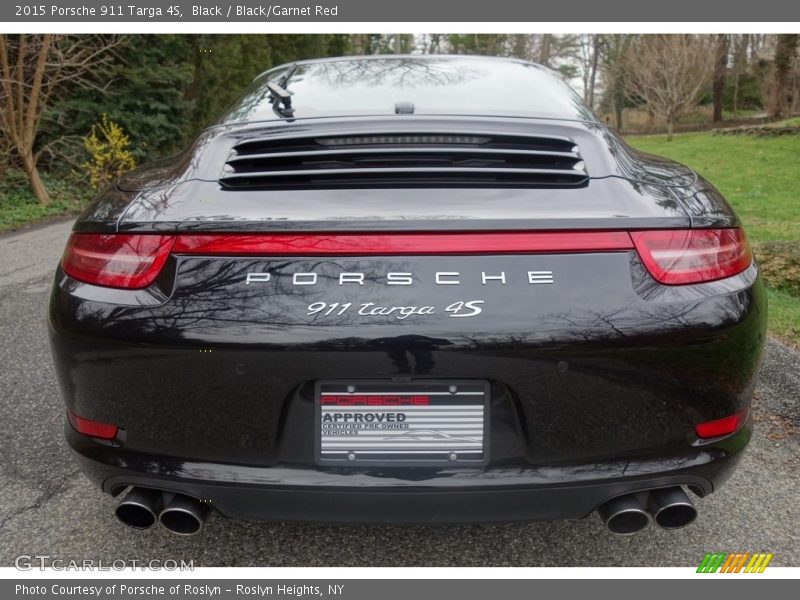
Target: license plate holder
pixel 401 423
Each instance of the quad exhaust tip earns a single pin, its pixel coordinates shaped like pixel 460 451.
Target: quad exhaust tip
pixel 141 508
pixel 624 515
pixel 183 515
pixel 669 508
pixel 628 514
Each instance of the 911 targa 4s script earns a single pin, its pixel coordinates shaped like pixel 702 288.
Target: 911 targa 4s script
pixel 408 289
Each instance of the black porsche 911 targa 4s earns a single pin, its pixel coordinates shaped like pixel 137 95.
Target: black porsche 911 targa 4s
pixel 408 289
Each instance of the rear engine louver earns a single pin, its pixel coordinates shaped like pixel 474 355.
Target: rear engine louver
pixel 407 160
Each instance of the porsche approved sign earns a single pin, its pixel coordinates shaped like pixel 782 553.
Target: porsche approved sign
pixel 423 423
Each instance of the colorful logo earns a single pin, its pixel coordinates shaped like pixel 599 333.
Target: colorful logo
pixel 736 562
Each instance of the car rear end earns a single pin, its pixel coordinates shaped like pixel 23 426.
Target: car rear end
pixel 441 320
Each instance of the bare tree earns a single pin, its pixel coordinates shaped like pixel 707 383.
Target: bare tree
pixel 522 45
pixel 588 58
pixel 614 50
pixel 403 43
pixel 784 77
pixel 33 69
pixel 544 49
pixel 670 73
pixel 358 44
pixel 720 71
pixel 740 45
pixel 432 43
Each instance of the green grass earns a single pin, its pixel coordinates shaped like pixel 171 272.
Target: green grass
pixel 19 207
pixel 759 177
pixel 747 113
pixel 793 122
pixel 784 316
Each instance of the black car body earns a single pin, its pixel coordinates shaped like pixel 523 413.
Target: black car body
pixel 409 289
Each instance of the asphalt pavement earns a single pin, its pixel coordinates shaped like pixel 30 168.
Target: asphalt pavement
pixel 48 507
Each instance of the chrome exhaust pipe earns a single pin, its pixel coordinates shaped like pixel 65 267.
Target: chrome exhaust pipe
pixel 624 515
pixel 183 515
pixel 671 508
pixel 140 507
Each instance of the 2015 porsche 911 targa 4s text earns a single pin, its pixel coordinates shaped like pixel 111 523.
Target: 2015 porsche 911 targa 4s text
pixel 408 289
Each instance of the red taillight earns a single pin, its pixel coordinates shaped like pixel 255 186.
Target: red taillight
pixel 95 429
pixel 364 244
pixel 672 257
pixel 723 426
pixel 128 261
pixel 684 256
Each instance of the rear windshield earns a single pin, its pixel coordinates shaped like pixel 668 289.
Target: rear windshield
pixel 434 85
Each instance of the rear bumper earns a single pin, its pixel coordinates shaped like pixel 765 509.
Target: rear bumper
pixel 595 387
pixel 514 492
pixel 574 379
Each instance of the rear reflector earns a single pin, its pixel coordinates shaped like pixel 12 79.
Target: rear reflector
pixel 379 244
pixel 116 260
pixel 95 429
pixel 723 426
pixel 685 256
